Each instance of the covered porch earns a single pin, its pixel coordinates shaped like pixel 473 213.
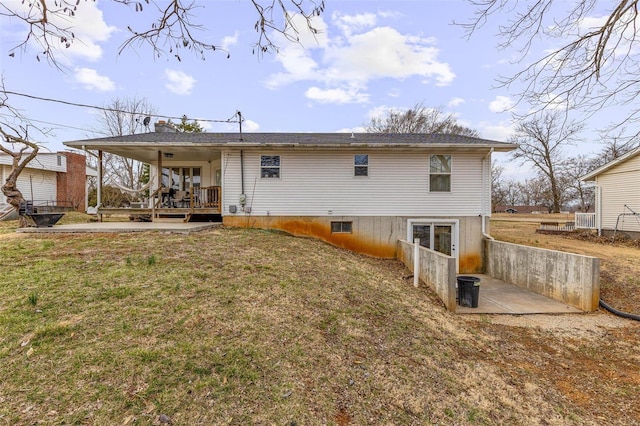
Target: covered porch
pixel 185 183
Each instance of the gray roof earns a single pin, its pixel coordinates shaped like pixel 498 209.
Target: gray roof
pixel 198 146
pixel 299 139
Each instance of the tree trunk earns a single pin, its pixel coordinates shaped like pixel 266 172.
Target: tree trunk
pixel 10 187
pixel 14 198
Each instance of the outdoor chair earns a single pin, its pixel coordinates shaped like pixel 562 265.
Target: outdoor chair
pixel 182 198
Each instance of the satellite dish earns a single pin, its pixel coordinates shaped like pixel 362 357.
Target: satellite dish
pixel 146 121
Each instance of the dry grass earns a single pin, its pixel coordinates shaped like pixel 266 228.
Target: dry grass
pixel 236 326
pixel 620 260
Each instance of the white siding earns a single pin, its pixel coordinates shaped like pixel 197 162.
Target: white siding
pixel 620 185
pixel 316 183
pixel 42 182
pixel 43 161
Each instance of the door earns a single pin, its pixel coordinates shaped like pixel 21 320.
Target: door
pixel 435 234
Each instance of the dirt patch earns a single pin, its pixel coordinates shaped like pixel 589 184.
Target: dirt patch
pixel 585 326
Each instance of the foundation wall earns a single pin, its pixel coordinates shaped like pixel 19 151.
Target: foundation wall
pixel 372 235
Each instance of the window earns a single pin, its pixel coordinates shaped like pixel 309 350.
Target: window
pixel 269 166
pixel 440 173
pixel 59 160
pixel 181 178
pixel 341 227
pixel 361 165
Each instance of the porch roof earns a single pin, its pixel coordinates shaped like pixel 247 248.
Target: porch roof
pixel 204 146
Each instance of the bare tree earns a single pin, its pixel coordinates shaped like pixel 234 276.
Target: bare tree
pixel 594 64
pixel 16 143
pixel 497 184
pixel 121 117
pixel 541 142
pixel 49 25
pixel 572 170
pixel 418 119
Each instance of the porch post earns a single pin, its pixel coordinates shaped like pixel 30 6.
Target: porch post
pixel 99 189
pixel 159 171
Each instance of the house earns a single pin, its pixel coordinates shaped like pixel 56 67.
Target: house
pixel 521 209
pixel 617 185
pixel 358 191
pixel 58 178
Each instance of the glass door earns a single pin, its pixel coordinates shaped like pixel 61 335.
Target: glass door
pixel 440 237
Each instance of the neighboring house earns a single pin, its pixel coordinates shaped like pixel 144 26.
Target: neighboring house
pixel 521 209
pixel 617 186
pixel 358 191
pixel 50 178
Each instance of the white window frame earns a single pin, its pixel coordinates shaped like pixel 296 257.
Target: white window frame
pixel 455 231
pixel 279 167
pixel 342 225
pixel 450 174
pixel 362 166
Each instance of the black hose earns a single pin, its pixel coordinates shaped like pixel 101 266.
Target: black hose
pixel 619 313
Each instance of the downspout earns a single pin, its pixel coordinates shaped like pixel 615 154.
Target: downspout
pixel 243 197
pixel 484 176
pixel 241 173
pixel 599 209
pixel 99 190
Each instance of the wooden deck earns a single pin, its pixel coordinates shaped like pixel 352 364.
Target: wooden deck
pixel 201 202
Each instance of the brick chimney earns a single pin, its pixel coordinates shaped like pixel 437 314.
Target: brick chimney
pixel 163 127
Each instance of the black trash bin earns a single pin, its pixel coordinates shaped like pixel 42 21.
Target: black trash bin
pixel 468 291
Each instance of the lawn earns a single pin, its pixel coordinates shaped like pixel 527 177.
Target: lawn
pixel 242 326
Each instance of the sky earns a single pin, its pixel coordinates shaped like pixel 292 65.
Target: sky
pixel 369 57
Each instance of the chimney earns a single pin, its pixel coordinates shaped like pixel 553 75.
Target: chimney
pixel 163 127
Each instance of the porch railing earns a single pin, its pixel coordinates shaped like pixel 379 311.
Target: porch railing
pixel 207 197
pixel 586 221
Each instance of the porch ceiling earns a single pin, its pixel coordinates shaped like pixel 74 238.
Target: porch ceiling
pixel 148 153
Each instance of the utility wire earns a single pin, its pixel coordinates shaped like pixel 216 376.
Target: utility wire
pixel 48 122
pixel 113 109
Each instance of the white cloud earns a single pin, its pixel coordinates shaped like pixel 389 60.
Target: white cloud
pixel 501 104
pixel 91 80
pixel 179 82
pixel 348 24
pixel 357 129
pixel 336 96
pixel 501 131
pixel 361 55
pixel 250 126
pixel 205 125
pixel 454 102
pixel 87 25
pixel 380 112
pixel 385 53
pixel 229 41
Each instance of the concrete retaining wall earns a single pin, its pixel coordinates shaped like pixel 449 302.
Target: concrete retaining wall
pixel 570 278
pixel 436 270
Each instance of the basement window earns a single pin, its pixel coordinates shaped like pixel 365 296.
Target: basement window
pixel 341 227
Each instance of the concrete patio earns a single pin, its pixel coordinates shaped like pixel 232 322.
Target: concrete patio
pixel 499 297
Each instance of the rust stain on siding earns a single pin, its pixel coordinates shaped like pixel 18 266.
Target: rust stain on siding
pixel 317 228
pixel 471 263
